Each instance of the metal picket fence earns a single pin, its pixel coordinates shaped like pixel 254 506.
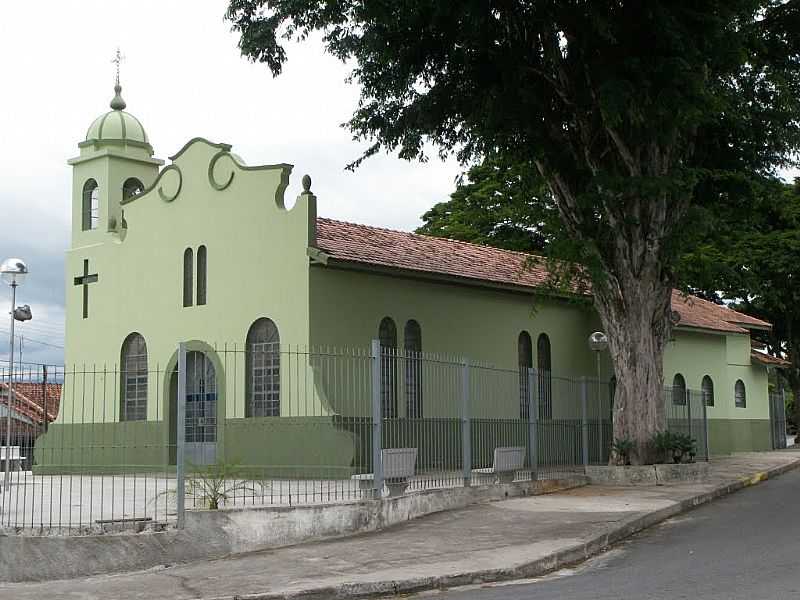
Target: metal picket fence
pixel 136 446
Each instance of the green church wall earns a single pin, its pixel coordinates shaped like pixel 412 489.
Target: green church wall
pixel 727 436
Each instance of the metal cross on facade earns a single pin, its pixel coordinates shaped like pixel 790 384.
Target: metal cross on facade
pixel 85 280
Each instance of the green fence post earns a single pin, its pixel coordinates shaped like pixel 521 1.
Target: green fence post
pixel 584 423
pixel 466 429
pixel 377 420
pixel 533 422
pixel 180 437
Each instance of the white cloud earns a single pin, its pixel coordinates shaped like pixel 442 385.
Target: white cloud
pixel 183 77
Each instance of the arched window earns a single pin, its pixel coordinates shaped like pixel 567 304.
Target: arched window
pixel 412 344
pixel 201 275
pixel 545 368
pixel 678 390
pixel 188 276
pixel 132 187
pixel 263 366
pixel 387 334
pixel 525 362
pixel 90 209
pixel 707 390
pixel 739 394
pixel 133 379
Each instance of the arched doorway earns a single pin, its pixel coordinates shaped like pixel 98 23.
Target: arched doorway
pixel 201 409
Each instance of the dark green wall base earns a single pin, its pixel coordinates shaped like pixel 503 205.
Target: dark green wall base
pixel 133 446
pixel 726 436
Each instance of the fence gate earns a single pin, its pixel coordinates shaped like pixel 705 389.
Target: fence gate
pixel 777 419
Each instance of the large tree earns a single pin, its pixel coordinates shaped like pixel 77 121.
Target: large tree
pixel 631 111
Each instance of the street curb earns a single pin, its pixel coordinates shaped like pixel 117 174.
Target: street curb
pixel 536 568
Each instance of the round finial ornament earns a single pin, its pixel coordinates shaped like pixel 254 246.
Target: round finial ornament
pixel 598 341
pixel 306 184
pixel 117 103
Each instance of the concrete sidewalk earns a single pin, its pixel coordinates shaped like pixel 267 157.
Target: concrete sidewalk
pixel 522 537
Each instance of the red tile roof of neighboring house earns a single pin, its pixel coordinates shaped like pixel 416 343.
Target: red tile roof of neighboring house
pixel 768 359
pixel 350 242
pixel 29 399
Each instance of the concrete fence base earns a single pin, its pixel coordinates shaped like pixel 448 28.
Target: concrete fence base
pixel 649 474
pixel 215 534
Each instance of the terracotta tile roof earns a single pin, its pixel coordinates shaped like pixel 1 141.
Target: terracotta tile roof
pixel 414 252
pixel 696 312
pixel 363 244
pixel 29 399
pixel 767 359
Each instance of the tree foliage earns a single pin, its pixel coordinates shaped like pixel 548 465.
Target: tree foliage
pixel 497 204
pixel 751 257
pixel 637 115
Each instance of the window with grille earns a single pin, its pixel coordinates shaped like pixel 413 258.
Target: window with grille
pixel 387 335
pixel 678 390
pixel 413 349
pixel 133 378
pixel 740 395
pixel 263 369
pixel 707 390
pixel 525 361
pixel 545 366
pixel 90 209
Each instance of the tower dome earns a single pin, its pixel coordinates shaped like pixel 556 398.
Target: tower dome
pixel 117 125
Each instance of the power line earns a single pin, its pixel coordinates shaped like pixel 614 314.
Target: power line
pixel 32 340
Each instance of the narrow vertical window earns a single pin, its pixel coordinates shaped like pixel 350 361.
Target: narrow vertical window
pixel 740 395
pixel 525 362
pixel 678 390
pixel 545 368
pixel 188 276
pixel 90 208
pixel 201 275
pixel 707 390
pixel 412 343
pixel 387 334
pixel 133 379
pixel 263 368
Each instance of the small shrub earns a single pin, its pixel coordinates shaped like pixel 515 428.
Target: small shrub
pixel 622 448
pixel 213 485
pixel 675 446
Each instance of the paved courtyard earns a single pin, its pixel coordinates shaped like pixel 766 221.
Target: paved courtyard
pixel 74 504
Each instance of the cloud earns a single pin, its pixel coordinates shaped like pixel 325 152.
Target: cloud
pixel 183 77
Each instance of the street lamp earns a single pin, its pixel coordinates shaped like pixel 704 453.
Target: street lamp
pixel 13 272
pixel 598 342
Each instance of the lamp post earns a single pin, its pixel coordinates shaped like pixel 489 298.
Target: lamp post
pixel 13 272
pixel 598 342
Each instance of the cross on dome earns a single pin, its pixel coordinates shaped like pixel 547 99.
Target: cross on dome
pixel 117 103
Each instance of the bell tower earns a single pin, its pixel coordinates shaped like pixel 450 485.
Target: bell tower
pixel 115 163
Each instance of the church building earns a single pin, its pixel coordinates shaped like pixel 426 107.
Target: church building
pixel 205 250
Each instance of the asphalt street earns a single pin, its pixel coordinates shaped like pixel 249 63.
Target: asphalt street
pixel 746 545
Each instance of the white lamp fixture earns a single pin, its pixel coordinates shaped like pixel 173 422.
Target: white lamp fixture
pixel 13 271
pixel 598 341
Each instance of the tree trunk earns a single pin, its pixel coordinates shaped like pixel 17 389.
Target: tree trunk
pixel 636 316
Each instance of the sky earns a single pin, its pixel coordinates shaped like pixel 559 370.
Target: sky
pixel 183 76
